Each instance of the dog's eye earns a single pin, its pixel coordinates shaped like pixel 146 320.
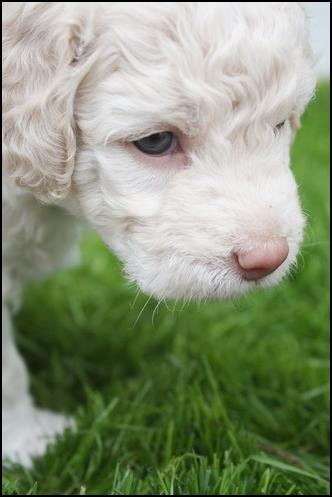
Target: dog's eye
pixel 157 144
pixel 279 126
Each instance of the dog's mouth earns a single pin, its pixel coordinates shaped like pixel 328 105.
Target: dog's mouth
pixel 225 277
pixel 186 276
pixel 198 280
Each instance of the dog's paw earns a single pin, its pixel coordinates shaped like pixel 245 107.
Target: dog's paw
pixel 27 431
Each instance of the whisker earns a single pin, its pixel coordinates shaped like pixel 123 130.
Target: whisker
pixel 166 304
pixel 316 244
pixel 135 299
pixel 141 312
pixel 183 306
pixel 155 310
pixel 174 306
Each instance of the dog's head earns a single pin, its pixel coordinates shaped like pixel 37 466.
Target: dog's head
pixel 168 126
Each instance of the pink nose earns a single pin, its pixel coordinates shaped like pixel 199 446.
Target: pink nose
pixel 263 259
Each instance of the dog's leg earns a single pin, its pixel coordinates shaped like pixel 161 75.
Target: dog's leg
pixel 26 430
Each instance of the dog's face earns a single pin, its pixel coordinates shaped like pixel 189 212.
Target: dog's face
pixel 187 143
pixel 184 124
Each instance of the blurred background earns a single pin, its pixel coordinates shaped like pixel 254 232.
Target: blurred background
pixel 319 23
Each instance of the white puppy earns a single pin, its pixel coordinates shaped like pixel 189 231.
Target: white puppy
pixel 166 127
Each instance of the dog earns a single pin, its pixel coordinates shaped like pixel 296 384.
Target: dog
pixel 166 127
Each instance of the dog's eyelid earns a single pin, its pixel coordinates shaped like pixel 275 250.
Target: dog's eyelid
pixel 280 125
pixel 139 135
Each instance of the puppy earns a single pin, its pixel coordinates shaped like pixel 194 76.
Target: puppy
pixel 164 126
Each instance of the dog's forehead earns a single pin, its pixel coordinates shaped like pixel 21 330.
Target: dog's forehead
pixel 196 35
pixel 205 41
pixel 177 63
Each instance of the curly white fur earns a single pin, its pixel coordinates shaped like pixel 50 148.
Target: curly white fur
pixel 81 82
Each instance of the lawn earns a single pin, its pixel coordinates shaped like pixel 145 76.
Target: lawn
pixel 227 398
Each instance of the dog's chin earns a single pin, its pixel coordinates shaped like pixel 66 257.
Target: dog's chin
pixel 199 281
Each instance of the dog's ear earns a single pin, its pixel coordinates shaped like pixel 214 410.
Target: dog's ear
pixel 46 50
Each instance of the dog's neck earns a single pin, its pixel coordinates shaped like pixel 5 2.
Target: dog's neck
pixel 39 238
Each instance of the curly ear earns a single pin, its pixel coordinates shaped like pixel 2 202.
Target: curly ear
pixel 45 46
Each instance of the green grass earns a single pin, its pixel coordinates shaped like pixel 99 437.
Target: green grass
pixel 226 398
